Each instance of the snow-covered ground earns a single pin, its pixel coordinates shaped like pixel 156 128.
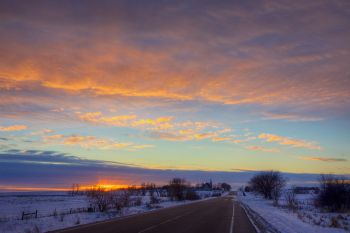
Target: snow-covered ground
pixel 54 211
pixel 305 219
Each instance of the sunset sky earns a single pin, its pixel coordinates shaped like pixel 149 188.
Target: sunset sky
pixel 133 90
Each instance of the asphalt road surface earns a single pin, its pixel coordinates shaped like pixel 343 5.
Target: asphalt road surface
pixel 219 215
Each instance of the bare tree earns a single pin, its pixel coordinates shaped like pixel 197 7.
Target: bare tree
pixel 269 184
pixel 75 189
pixel 151 188
pixel 143 189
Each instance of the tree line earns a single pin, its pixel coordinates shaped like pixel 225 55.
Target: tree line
pixel 333 193
pixel 177 189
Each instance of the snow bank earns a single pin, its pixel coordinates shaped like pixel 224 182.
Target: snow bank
pixel 54 208
pixel 282 219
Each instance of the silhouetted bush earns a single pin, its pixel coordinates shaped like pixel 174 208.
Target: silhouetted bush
pixel 75 190
pixel 177 188
pixel 154 199
pixel 247 189
pixel 269 184
pixel 291 200
pixel 138 201
pixel 99 198
pixel 35 229
pixel 334 193
pixel 226 187
pixel 192 195
pixel 120 199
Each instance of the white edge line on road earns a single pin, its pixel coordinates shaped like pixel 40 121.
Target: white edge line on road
pixel 251 219
pixel 233 215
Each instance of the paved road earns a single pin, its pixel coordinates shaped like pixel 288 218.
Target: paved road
pixel 219 215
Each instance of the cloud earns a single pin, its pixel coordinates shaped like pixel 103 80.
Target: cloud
pixel 87 141
pixel 60 170
pixel 168 136
pixel 97 117
pixel 164 128
pixel 289 141
pixel 13 128
pixel 54 136
pixel 185 135
pixel 206 135
pixel 323 159
pixel 218 139
pixel 255 56
pixel 160 123
pixel 290 117
pixel 50 169
pixel 263 149
pixel 42 132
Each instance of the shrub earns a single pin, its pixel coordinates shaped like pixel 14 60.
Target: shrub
pixel 226 187
pixel 55 214
pixel 334 223
pixel 120 199
pixel 177 188
pixel 269 184
pixel 34 230
pixel 77 220
pixel 334 193
pixel 138 201
pixel 291 200
pixel 62 215
pixel 247 189
pixel 192 195
pixel 154 200
pixel 75 190
pixel 100 198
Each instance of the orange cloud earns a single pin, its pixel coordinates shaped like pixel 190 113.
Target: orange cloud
pixel 323 159
pixel 123 63
pixel 218 139
pixel 202 136
pixel 161 123
pixel 166 128
pixel 76 139
pixel 289 141
pixel 42 132
pixel 13 128
pixel 54 136
pixel 98 118
pixel 168 136
pixel 263 149
pixel 93 142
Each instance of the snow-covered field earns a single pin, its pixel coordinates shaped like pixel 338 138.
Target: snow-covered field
pixel 57 210
pixel 305 219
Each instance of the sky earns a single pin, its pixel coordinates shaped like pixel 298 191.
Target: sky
pixel 126 91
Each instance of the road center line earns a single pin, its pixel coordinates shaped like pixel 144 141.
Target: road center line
pixel 164 222
pixel 233 214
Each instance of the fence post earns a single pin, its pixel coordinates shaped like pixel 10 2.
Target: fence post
pixel 22 215
pixel 36 213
